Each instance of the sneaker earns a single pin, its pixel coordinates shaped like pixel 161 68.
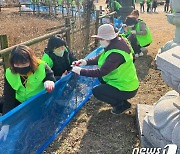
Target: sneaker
pixel 121 109
pixel 136 55
pixel 141 54
pixel 143 49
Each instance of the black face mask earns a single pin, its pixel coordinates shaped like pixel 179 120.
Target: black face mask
pixel 22 70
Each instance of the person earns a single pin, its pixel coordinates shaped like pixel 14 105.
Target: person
pixel 116 70
pixel 154 5
pixel 133 4
pixel 138 33
pixel 166 6
pixel 115 5
pixel 142 5
pixel 26 76
pixel 58 56
pixel 149 2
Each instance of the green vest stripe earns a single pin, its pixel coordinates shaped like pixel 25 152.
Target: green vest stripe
pixel 143 39
pixel 124 77
pixel 33 85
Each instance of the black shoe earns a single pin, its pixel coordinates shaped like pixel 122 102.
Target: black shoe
pixel 121 109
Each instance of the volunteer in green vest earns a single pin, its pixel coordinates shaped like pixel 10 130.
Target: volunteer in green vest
pixel 58 57
pixel 26 76
pixel 114 5
pixel 139 33
pixel 117 5
pixel 116 70
pixel 141 2
pixel 149 4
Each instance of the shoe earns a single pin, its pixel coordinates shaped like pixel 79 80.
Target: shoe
pixel 121 109
pixel 143 49
pixel 141 54
pixel 136 55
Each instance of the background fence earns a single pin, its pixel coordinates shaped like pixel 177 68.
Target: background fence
pixel 76 32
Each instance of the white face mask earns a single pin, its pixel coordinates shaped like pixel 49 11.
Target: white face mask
pixel 59 53
pixel 104 43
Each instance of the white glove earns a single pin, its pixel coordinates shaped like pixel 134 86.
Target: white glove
pixel 49 85
pixel 76 70
pixel 4 132
pixel 133 32
pixel 80 62
pixel 123 25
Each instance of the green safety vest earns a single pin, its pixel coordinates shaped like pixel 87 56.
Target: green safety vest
pixel 72 2
pixel 141 1
pixel 143 40
pixel 33 85
pixel 117 5
pixel 149 1
pixel 124 77
pixel 47 59
pixel 127 41
pixel 59 2
pixel 81 1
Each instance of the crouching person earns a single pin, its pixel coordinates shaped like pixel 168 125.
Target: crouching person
pixel 58 56
pixel 116 70
pixel 26 77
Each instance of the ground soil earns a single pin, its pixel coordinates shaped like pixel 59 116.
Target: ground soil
pixel 94 129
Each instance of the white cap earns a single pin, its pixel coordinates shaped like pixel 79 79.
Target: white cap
pixel 106 32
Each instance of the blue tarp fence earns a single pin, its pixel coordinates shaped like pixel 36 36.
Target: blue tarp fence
pixel 35 123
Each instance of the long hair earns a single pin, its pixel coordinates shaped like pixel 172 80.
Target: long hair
pixel 23 54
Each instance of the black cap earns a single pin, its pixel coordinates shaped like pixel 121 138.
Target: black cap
pixel 131 21
pixel 55 42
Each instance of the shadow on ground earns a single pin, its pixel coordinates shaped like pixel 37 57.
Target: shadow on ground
pixel 143 64
pixel 107 133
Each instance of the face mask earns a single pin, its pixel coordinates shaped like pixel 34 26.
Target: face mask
pixel 104 43
pixel 59 53
pixel 22 70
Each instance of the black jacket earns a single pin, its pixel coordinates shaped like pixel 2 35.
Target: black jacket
pixel 60 64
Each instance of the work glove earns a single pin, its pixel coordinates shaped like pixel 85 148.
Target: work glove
pixel 49 85
pixel 76 70
pixel 123 25
pixel 133 32
pixel 80 62
pixel 4 132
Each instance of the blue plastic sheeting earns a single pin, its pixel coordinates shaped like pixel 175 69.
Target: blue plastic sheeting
pixel 118 23
pixel 35 123
pixel 59 9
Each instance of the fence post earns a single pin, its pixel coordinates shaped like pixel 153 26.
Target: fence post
pixel 4 44
pixel 55 9
pixel 38 3
pixel 34 9
pixel 97 25
pixel 112 10
pixel 87 20
pixel 20 8
pixel 63 11
pixel 67 35
pixel 49 5
pixel 100 9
